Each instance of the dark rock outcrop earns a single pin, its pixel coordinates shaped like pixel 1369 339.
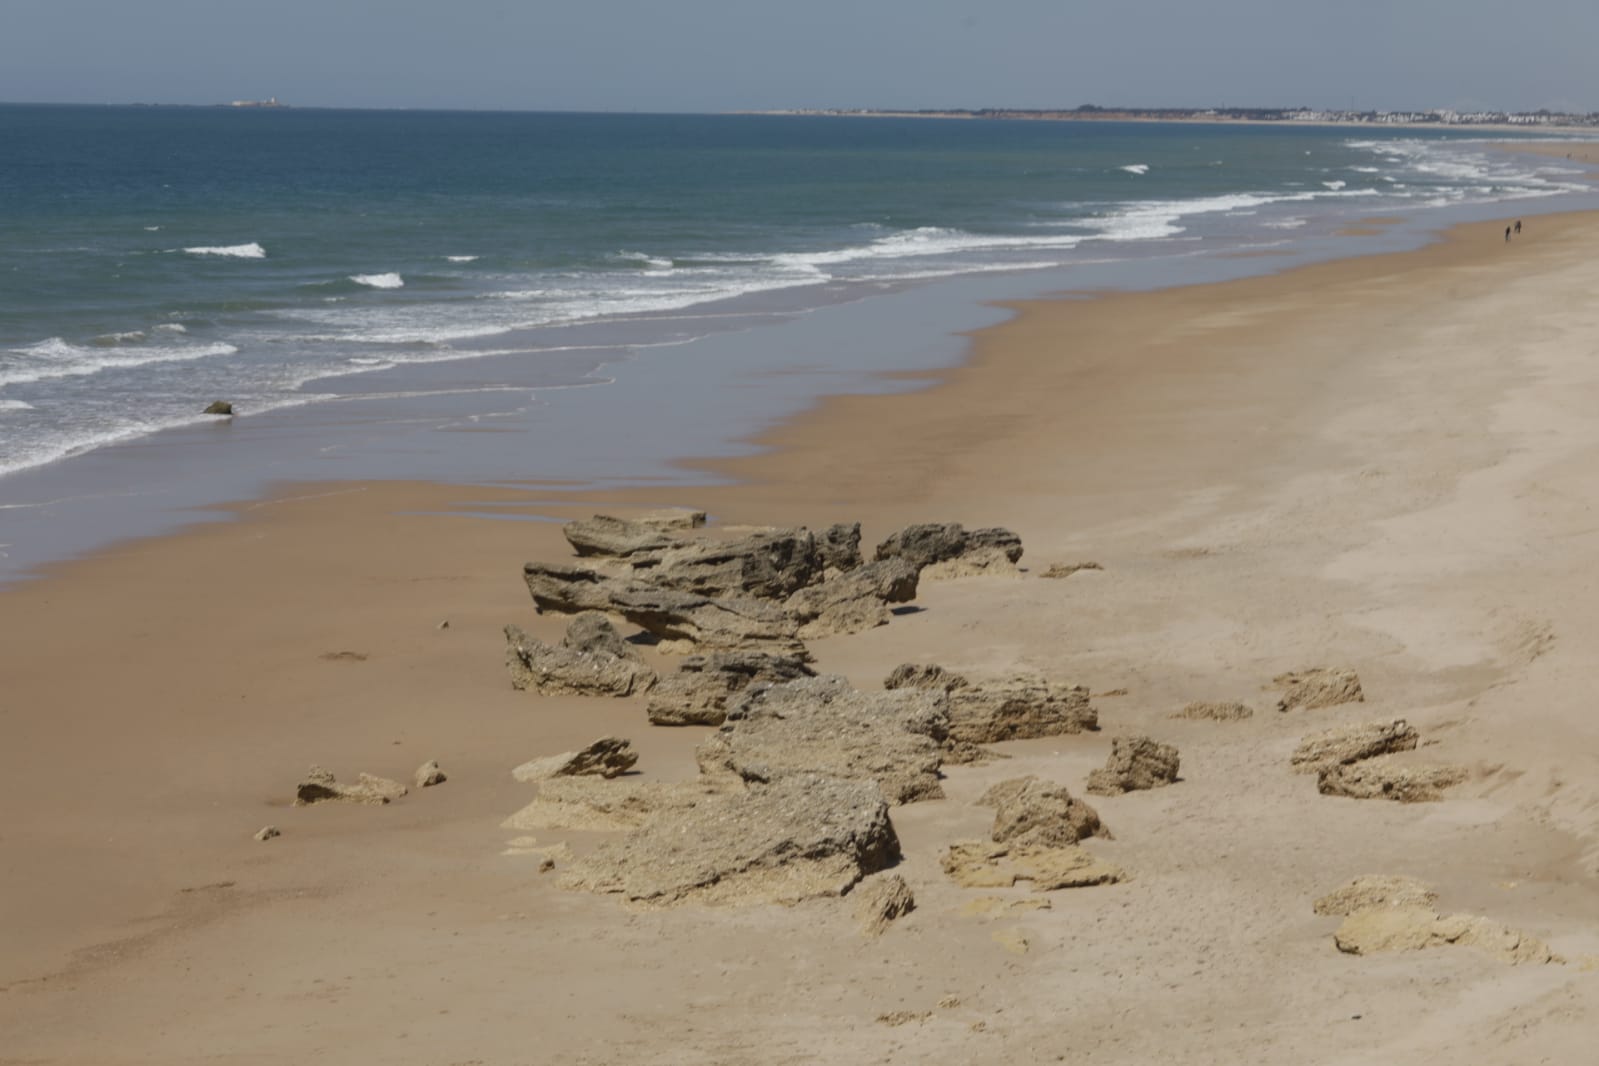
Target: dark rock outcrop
pixel 698 694
pixel 582 664
pixel 855 601
pixel 1030 810
pixel 606 757
pixel 1135 763
pixel 840 546
pixel 770 565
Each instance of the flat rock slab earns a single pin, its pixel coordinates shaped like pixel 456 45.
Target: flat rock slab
pixel 823 726
pixel 1349 744
pixel 1383 929
pixel 988 712
pixel 801 837
pixel 1308 690
pixel 769 565
pixel 1383 777
pixel 1209 711
pixel 980 864
pixel 880 901
pixel 593 804
pixel 611 537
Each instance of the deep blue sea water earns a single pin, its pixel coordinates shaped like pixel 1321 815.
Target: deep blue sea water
pixel 152 260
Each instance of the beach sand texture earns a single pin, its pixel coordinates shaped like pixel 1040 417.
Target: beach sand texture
pixel 1379 463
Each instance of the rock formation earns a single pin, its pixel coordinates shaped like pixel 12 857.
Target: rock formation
pixel 823 726
pixel 320 786
pixel 592 660
pixel 880 901
pixel 1383 777
pixel 988 712
pixel 1060 570
pixel 977 864
pixel 840 546
pixel 1215 712
pixel 1135 763
pixel 606 757
pixel 218 407
pixel 855 601
pixel 1349 744
pixel 1308 690
pixel 1031 811
pixel 592 804
pixel 1376 890
pixel 802 836
pixel 268 832
pixel 698 694
pixel 770 565
pixel 952 550
pixel 669 614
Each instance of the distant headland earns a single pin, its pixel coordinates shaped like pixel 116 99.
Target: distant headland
pixel 1094 113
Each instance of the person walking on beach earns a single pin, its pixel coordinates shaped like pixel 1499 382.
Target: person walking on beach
pixel 1507 234
pixel 1518 227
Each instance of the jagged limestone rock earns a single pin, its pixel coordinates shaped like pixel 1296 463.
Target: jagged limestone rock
pixel 853 602
pixel 1383 777
pixel 770 565
pixel 1032 811
pixel 1135 763
pixel 1215 712
pixel 800 837
pixel 880 901
pixel 988 712
pixel 551 669
pixel 606 757
pixel 1348 744
pixel 979 864
pixel 1376 890
pixel 1321 686
pixel 698 694
pixel 320 786
pixel 604 535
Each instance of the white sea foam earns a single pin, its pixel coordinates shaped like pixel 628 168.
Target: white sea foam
pixel 173 327
pixel 462 258
pixel 655 262
pixel 1136 168
pixel 378 281
pixel 54 358
pixel 152 229
pixel 1335 185
pixel 231 251
pixel 1285 223
pixel 15 405
pixel 111 340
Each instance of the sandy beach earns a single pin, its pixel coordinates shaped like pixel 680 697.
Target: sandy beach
pixel 1381 463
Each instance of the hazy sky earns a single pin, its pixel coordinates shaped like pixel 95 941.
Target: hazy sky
pixel 711 55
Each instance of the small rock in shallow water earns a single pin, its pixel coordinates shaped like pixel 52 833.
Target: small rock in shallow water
pixel 220 407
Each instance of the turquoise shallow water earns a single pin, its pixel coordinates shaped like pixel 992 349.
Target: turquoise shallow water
pixel 154 259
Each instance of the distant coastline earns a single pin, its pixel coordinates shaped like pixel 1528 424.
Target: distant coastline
pixel 1550 121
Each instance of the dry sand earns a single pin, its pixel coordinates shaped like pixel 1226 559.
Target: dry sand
pixel 1385 463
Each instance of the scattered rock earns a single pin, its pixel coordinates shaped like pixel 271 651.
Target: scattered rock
pixel 1031 811
pixel 699 692
pixel 1308 690
pixel 1215 712
pixel 1384 778
pixel 840 546
pixel 671 615
pixel 823 726
pixel 881 900
pixel 769 565
pixel 443 625
pixel 591 633
pixel 987 551
pixel 592 804
pixel 606 757
pixel 1337 747
pixel 1418 928
pixel 320 786
pixel 219 407
pixel 896 1018
pixel 428 774
pixel 614 537
pixel 1059 570
pixel 343 656
pixel 268 832
pixel 672 518
pixel 855 601
pixel 992 711
pixel 978 864
pixel 1135 763
pixel 801 837
pixel 1376 890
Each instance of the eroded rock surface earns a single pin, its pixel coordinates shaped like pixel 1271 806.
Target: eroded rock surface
pixel 840 546
pixel 823 726
pixel 988 712
pixel 1307 690
pixel 1032 811
pixel 606 757
pixel 880 901
pixel 428 774
pixel 855 601
pixel 699 693
pixel 953 550
pixel 1349 744
pixel 800 837
pixel 1135 763
pixel 769 565
pixel 320 786
pixel 1215 712
pixel 592 660
pixel 1376 890
pixel 979 864
pixel 1383 777
pixel 595 804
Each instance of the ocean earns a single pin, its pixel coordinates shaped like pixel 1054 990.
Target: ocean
pixel 155 259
